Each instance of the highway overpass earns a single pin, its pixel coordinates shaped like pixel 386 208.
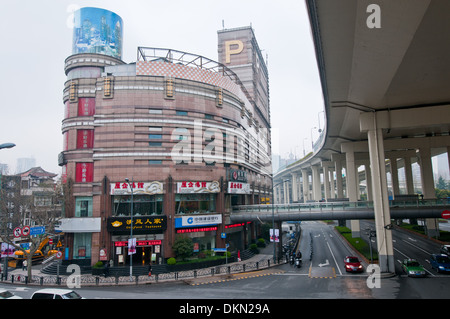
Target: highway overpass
pixel 385 73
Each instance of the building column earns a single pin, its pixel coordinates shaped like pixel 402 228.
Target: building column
pixel 316 187
pixel 368 182
pixel 287 197
pixel 368 123
pixel 428 191
pixel 305 185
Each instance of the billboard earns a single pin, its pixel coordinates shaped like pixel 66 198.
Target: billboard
pixel 97 31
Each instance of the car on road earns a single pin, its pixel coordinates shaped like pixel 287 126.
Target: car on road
pixel 49 293
pixel 440 262
pixel 6 294
pixel 413 269
pixel 445 249
pixel 352 264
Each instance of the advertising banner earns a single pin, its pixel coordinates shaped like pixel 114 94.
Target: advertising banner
pixel 238 188
pixel 97 31
pixel 274 235
pixel 131 246
pixel 139 188
pixel 186 187
pixel 198 220
pixel 84 172
pixel 141 225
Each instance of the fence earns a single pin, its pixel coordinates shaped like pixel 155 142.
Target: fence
pixel 90 280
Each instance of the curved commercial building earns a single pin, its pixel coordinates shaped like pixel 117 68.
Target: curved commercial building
pixel 180 136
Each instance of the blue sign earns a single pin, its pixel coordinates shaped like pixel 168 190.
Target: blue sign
pixel 220 250
pixel 37 230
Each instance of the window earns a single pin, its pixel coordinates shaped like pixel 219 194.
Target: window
pixel 182 113
pixel 155 111
pixel 82 245
pixel 155 136
pixel 181 134
pixel 155 162
pixel 195 203
pixel 209 117
pixel 155 144
pixel 142 205
pixel 83 207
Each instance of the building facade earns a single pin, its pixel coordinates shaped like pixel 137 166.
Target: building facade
pixel 166 144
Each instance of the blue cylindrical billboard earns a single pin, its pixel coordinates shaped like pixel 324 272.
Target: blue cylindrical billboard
pixel 97 31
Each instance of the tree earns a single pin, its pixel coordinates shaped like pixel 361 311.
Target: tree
pixel 20 207
pixel 183 247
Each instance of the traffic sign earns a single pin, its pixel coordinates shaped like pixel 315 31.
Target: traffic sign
pixel 25 230
pixel 17 232
pixel 446 214
pixel 37 230
pixel 59 255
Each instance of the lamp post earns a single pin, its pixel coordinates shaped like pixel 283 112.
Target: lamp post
pixel 131 231
pixel 273 217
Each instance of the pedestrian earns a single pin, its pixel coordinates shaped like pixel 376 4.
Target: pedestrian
pixel 150 270
pixel 24 264
pixel 106 270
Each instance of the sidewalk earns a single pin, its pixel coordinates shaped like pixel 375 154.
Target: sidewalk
pixel 261 262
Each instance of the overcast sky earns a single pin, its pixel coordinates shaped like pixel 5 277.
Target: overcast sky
pixel 35 39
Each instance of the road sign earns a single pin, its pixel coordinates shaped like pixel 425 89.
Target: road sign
pixel 220 250
pixel 59 254
pixel 37 230
pixel 446 214
pixel 17 232
pixel 25 230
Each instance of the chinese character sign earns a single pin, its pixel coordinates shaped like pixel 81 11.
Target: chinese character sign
pixel 84 172
pixel 139 188
pixel 189 187
pixel 274 235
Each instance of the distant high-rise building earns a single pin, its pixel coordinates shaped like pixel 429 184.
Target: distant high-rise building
pixel 24 164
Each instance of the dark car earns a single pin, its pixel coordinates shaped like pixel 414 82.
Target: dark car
pixel 440 262
pixel 352 264
pixel 445 249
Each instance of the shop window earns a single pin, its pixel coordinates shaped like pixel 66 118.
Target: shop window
pixel 195 203
pixel 142 205
pixel 83 207
pixel 82 245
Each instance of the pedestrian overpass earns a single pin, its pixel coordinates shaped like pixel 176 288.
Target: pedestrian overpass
pixel 337 211
pixel 385 73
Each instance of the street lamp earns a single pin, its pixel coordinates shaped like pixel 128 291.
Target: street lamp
pixel 131 231
pixel 7 145
pixel 273 217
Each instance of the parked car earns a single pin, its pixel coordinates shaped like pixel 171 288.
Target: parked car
pixel 352 264
pixel 413 268
pixel 6 294
pixel 49 293
pixel 445 249
pixel 440 262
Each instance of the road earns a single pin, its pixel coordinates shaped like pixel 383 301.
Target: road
pixel 322 276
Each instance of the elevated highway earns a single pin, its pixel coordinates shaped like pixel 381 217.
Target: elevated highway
pixel 385 72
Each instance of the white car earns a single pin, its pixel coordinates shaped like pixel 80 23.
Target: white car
pixel 6 294
pixel 50 293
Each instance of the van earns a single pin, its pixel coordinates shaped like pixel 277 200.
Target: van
pixel 49 293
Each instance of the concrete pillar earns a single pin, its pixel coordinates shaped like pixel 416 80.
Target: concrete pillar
pixel 394 176
pixel 317 192
pixel 287 197
pixel 326 180
pixel 368 182
pixel 428 191
pixel 337 158
pixel 305 185
pixel 408 176
pixel 294 187
pixel 332 183
pixel 352 184
pixel 368 123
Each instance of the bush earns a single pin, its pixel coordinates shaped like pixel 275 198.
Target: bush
pixel 254 248
pixel 98 264
pixel 183 247
pixel 171 261
pixel 261 243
